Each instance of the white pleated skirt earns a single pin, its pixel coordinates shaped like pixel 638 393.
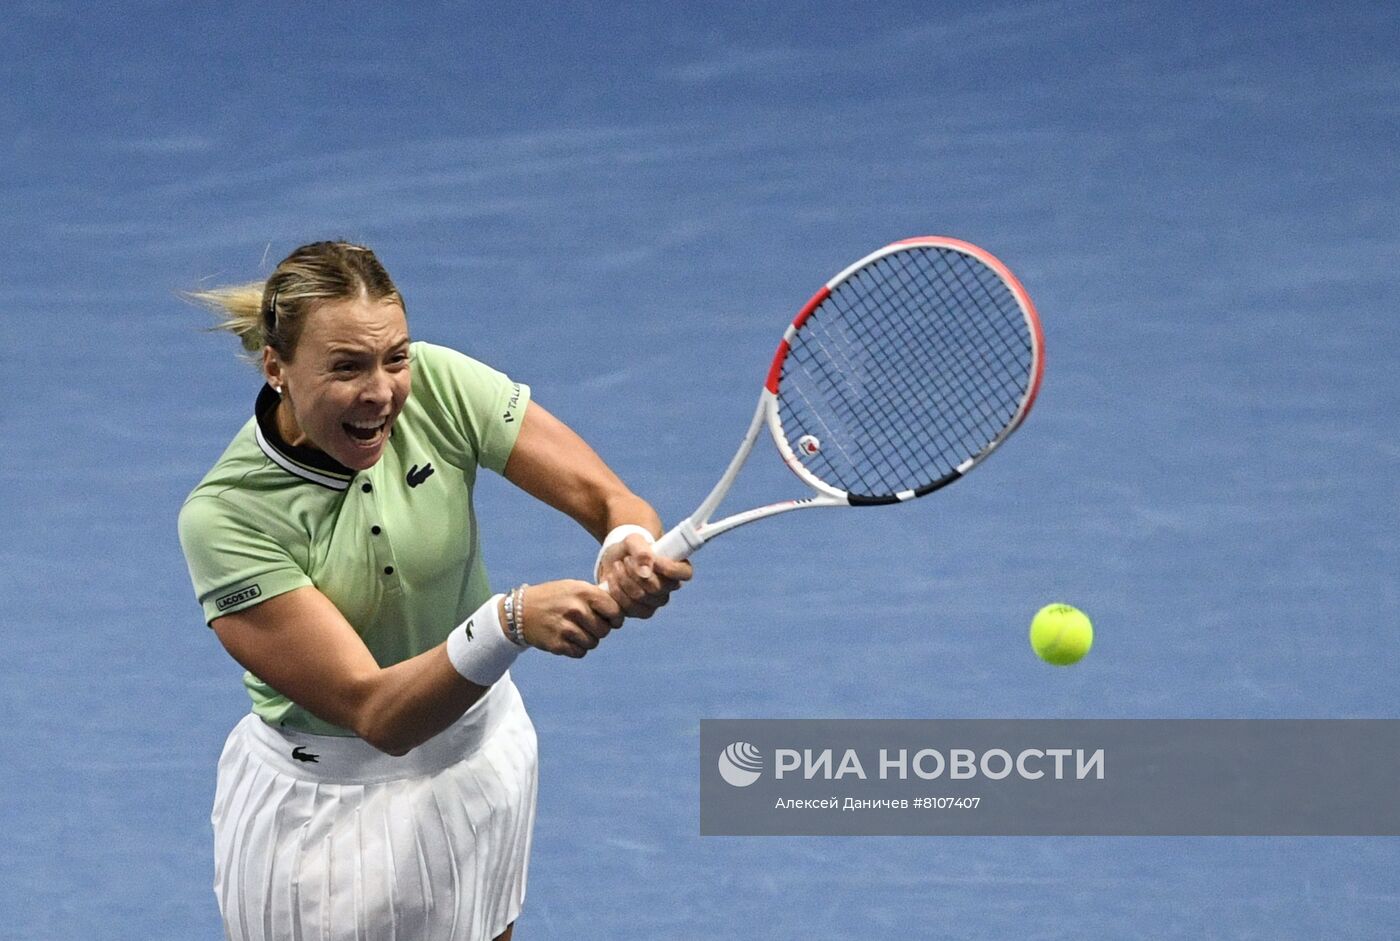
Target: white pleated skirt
pixel 319 838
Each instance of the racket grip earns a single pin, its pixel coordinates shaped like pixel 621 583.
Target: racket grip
pixel 679 543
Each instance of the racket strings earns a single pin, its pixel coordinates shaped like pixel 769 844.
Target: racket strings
pixel 913 365
pixel 857 407
pixel 953 408
pixel 937 394
pixel 891 396
pixel 827 432
pixel 830 342
pixel 907 399
pixel 990 350
pixel 968 416
pixel 859 410
pixel 944 394
pixel 1007 332
pixel 946 334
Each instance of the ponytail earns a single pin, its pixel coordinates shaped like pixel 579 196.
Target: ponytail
pixel 239 308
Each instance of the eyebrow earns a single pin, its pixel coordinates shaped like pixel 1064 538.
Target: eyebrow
pixel 339 350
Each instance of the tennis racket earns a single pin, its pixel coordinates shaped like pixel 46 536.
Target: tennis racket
pixel 899 376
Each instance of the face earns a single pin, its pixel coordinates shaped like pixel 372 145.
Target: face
pixel 348 380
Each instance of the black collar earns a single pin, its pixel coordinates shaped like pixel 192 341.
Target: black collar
pixel 306 463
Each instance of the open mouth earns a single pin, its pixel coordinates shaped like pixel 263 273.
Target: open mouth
pixel 366 433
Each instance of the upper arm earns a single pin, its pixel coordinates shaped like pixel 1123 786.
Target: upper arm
pixel 301 645
pixel 553 464
pixel 502 429
pixel 233 562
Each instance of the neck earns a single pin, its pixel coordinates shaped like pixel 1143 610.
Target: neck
pixel 287 426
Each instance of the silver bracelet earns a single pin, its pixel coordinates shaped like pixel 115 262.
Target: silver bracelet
pixel 515 615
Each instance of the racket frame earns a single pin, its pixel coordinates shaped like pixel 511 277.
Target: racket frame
pixel 696 530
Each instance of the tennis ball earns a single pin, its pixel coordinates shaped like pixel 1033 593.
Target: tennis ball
pixel 1061 634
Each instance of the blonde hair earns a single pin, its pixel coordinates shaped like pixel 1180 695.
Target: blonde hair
pixel 273 312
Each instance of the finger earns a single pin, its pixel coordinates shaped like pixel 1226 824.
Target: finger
pixel 611 557
pixel 640 566
pixel 563 647
pixel 654 587
pixel 621 573
pixel 637 570
pixel 621 600
pixel 597 627
pixel 586 623
pixel 602 603
pixel 679 571
pixel 641 610
pixel 609 585
pixel 630 589
pixel 609 619
pixel 659 593
pixel 579 636
pixel 639 555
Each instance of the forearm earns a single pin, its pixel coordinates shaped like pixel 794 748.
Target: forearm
pixel 301 645
pixel 601 502
pixel 623 508
pixel 404 705
pixel 553 464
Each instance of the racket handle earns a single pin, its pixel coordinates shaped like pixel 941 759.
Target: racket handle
pixel 679 543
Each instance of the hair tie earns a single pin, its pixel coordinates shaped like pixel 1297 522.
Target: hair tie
pixel 270 315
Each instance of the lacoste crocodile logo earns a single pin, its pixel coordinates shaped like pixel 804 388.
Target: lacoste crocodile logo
pixel 301 754
pixel 416 476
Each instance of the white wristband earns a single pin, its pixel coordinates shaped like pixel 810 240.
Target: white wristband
pixel 613 538
pixel 479 649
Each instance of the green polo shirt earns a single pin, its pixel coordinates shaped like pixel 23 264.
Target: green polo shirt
pixel 395 547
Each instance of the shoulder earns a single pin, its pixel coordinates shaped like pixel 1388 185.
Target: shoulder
pixel 241 460
pixel 233 533
pixel 471 410
pixel 438 365
pixel 203 510
pixel 465 392
pixel 246 496
pixel 211 518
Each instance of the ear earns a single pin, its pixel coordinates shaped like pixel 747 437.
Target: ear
pixel 272 369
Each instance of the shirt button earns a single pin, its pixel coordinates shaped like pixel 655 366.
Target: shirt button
pixel 366 488
pixel 388 570
pixel 376 530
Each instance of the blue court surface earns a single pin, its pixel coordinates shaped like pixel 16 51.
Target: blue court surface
pixel 623 205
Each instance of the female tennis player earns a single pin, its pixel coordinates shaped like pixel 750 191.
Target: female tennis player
pixel 384 784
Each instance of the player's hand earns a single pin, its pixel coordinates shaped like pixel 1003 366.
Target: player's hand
pixel 568 617
pixel 639 580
